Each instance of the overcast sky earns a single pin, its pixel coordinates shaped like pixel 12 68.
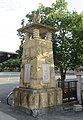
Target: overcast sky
pixel 13 11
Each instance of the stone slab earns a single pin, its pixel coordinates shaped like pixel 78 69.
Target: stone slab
pixel 77 107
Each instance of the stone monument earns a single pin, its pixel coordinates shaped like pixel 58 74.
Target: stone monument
pixel 37 79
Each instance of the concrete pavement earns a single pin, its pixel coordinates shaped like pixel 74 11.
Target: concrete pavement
pixel 4 116
pixel 10 113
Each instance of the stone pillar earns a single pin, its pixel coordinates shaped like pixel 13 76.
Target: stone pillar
pixel 37 80
pixel 26 36
pixel 59 96
pixel 36 33
pixel 49 36
pixel 79 87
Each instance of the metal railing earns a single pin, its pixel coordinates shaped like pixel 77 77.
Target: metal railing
pixel 69 90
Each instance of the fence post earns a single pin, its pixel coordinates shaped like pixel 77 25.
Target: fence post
pixel 68 91
pixel 78 76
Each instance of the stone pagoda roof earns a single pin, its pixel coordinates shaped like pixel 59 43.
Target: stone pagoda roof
pixel 41 27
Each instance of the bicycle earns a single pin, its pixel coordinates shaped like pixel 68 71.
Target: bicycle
pixel 10 99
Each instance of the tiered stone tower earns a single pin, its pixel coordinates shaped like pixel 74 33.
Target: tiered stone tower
pixel 37 80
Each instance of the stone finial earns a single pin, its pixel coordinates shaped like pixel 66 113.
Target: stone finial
pixel 36 17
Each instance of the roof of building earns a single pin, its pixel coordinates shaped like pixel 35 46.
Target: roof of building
pixel 6 55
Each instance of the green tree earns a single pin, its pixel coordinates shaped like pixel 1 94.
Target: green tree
pixel 20 50
pixel 77 35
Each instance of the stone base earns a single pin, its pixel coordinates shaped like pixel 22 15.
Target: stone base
pixel 39 112
pixel 37 99
pixel 77 107
pixel 45 111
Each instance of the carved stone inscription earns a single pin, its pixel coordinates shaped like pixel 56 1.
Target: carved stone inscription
pixel 46 73
pixel 27 73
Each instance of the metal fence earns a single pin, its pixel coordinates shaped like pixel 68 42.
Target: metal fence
pixel 69 90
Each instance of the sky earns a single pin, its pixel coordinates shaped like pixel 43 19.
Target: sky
pixel 13 11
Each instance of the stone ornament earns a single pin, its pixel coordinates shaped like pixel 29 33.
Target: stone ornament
pixel 36 17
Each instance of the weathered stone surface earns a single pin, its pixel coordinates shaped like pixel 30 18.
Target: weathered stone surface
pixel 34 84
pixel 51 98
pixel 27 53
pixel 16 98
pixel 24 100
pixel 26 37
pixel 34 101
pixel 30 44
pixel 36 33
pixel 43 100
pixel 59 96
pixel 38 53
pixel 49 36
pixel 55 98
pixel 33 52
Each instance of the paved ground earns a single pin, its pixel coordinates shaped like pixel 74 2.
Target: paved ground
pixel 9 113
pixel 4 116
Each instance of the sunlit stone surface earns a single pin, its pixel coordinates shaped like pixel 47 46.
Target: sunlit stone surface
pixel 37 80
